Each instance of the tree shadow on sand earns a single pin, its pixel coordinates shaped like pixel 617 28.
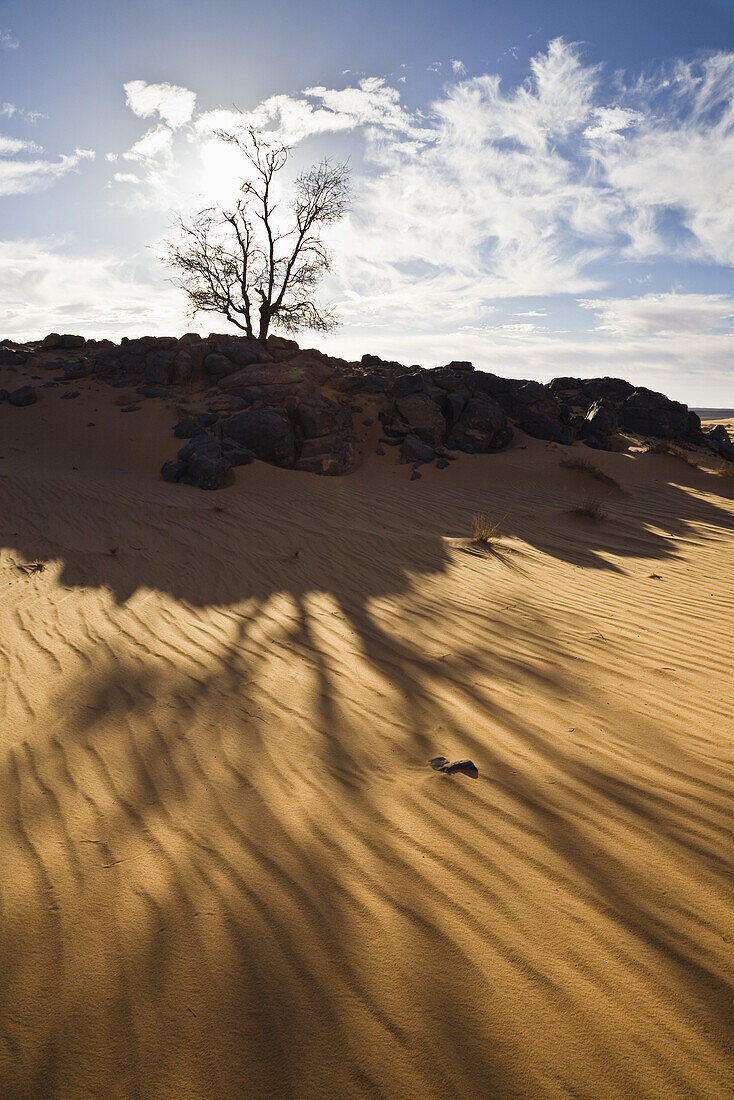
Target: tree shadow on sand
pixel 230 792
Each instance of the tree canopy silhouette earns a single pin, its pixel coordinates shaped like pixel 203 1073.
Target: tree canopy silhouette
pixel 244 262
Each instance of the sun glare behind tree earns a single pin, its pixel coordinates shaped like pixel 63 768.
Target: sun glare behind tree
pixel 245 263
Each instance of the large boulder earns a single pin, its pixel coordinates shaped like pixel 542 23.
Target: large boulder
pixel 415 451
pixel 316 416
pixel 201 463
pixel 218 366
pixel 329 455
pixel 599 425
pixel 423 416
pixel 646 412
pixel 267 433
pixel 720 443
pixel 482 427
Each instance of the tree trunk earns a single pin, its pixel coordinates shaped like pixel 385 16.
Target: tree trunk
pixel 264 323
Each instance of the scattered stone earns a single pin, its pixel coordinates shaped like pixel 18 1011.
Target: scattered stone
pixel 153 389
pixel 69 395
pixel 25 395
pixel 463 767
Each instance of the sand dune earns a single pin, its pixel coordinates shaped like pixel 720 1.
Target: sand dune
pixel 229 870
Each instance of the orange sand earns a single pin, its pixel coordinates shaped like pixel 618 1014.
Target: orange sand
pixel 228 870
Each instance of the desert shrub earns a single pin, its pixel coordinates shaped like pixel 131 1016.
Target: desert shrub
pixel 590 508
pixel 484 529
pixel 583 466
pixel 675 452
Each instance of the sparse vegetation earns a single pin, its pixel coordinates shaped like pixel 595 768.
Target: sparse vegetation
pixel 32 567
pixel 583 466
pixel 484 530
pixel 675 452
pixel 591 508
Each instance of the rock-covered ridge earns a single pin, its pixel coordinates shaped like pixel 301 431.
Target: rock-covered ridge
pixel 296 408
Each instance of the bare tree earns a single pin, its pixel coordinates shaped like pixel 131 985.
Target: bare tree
pixel 243 263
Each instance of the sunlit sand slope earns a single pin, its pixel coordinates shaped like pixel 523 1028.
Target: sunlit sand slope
pixel 228 870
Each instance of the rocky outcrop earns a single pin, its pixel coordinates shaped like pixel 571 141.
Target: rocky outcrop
pixel 294 407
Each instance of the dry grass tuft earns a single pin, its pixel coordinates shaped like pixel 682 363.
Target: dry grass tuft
pixel 675 452
pixel 583 466
pixel 591 508
pixel 484 530
pixel 33 567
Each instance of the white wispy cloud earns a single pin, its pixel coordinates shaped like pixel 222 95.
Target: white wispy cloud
pixel 173 105
pixel 670 314
pixel 9 146
pixel 20 177
pixel 8 41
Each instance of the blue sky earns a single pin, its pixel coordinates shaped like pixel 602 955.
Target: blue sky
pixel 544 188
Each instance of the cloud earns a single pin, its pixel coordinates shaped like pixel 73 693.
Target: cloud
pixel 8 41
pixel 9 146
pixel 173 105
pixel 20 177
pixel 458 67
pixel 45 288
pixel 155 144
pixel 663 314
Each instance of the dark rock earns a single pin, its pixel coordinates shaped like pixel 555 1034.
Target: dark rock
pixel 406 385
pixel 82 369
pixel 316 417
pixel 267 433
pixel 481 428
pixel 69 395
pixel 160 367
pixel 717 434
pixel 380 450
pixel 541 426
pixel 415 476
pixel 4 395
pixel 12 357
pixel 442 463
pixel 152 389
pixel 235 453
pixel 646 412
pixel 423 416
pixel 25 395
pixel 170 471
pixel 720 443
pixel 53 340
pixel 329 455
pixel 415 450
pixel 190 426
pixel 206 465
pixel 463 767
pixel 460 365
pixel 217 366
pixel 69 341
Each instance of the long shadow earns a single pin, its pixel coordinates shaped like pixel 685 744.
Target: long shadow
pixel 337 915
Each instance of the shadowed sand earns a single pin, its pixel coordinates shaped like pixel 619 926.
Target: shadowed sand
pixel 228 867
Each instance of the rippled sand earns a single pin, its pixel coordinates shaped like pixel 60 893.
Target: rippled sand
pixel 228 870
